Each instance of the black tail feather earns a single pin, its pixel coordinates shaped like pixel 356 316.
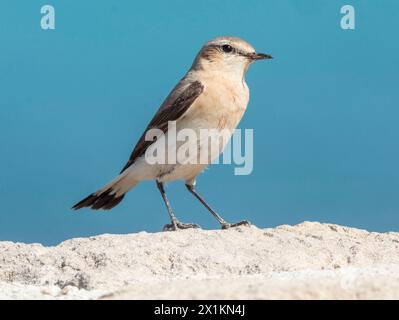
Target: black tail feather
pixel 104 200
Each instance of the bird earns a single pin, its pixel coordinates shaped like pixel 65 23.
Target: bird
pixel 213 94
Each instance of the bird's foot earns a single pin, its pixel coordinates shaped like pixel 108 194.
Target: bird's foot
pixel 180 226
pixel 233 225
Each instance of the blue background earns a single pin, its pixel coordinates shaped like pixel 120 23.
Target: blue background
pixel 74 101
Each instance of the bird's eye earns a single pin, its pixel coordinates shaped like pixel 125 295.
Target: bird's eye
pixel 227 48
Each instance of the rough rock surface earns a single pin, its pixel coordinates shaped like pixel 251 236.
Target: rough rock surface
pixel 309 260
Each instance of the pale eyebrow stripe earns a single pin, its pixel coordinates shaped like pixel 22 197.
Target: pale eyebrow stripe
pixel 237 51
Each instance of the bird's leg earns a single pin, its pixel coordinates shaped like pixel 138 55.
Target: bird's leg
pixel 175 224
pixel 223 223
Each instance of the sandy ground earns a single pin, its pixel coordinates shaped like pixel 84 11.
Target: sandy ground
pixel 307 261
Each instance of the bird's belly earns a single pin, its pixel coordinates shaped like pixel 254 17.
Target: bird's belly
pixel 209 144
pixel 199 148
pixel 182 172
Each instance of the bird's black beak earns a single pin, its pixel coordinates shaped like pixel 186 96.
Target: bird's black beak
pixel 260 56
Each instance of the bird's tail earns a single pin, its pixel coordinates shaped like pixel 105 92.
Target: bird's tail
pixel 110 195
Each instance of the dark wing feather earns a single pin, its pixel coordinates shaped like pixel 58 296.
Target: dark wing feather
pixel 175 105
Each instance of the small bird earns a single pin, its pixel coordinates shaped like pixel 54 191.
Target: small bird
pixel 212 95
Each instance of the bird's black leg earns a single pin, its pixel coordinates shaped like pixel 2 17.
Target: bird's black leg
pixel 224 224
pixel 175 224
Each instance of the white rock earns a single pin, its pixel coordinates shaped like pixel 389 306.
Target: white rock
pixel 310 260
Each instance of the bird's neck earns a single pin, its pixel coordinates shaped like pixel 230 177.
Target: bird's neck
pixel 233 73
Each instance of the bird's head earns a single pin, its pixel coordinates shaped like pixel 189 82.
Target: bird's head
pixel 227 54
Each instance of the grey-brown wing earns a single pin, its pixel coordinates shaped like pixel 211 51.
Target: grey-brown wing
pixel 175 105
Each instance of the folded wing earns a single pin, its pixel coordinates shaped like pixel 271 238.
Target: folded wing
pixel 174 107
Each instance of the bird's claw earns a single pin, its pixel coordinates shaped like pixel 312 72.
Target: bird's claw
pixel 180 226
pixel 238 224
